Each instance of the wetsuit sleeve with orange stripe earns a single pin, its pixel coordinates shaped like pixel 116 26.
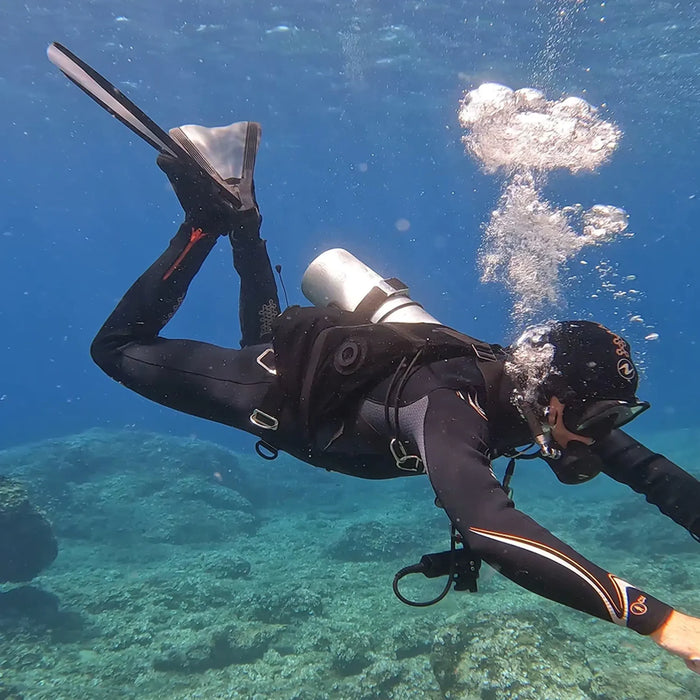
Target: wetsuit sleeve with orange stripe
pixel 454 446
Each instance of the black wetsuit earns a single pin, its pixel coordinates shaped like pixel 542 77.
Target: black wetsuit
pixel 445 416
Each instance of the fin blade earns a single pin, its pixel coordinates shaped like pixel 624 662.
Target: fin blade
pixel 111 98
pixel 122 108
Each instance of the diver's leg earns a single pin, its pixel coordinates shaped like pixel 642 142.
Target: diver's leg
pixel 218 384
pixel 215 383
pixel 258 301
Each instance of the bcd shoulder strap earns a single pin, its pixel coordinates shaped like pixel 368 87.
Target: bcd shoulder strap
pixel 325 358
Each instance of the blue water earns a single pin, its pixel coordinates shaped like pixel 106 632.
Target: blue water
pixel 358 102
pixel 83 209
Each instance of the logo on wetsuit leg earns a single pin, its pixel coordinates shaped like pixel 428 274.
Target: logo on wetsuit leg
pixel 639 606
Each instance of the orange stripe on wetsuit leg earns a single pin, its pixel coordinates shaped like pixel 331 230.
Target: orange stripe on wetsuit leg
pixel 619 607
pixel 196 235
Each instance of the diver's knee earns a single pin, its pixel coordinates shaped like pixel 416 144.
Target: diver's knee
pixel 105 357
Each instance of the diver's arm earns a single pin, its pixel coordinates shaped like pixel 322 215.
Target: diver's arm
pixel 453 445
pixel 680 635
pixel 675 492
pixel 454 449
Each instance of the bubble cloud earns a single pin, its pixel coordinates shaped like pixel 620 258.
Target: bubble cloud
pixel 521 129
pixel 531 361
pixel 522 136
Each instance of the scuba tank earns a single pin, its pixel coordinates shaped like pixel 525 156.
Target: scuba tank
pixel 337 278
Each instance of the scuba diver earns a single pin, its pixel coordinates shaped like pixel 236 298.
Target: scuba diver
pixel 367 383
pixel 383 390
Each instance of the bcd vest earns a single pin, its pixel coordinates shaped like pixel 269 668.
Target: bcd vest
pixel 327 359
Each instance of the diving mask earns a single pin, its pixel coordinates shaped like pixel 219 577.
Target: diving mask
pixel 595 419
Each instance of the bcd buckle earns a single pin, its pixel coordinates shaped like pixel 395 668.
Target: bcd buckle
pixel 403 460
pixel 264 420
pixel 266 359
pixel 484 352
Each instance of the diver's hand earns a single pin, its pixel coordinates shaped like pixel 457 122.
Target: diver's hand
pixel 680 635
pixel 204 204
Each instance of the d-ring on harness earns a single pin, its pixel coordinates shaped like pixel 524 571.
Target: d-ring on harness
pixel 404 461
pixel 260 419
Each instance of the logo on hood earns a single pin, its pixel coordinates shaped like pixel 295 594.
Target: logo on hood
pixel 626 369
